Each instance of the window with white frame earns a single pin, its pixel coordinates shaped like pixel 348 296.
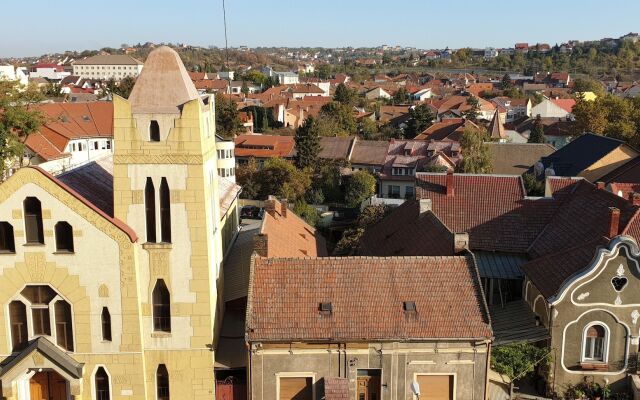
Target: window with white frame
pixel 595 343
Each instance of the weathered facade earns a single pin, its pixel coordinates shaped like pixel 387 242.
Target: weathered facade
pixel 401 326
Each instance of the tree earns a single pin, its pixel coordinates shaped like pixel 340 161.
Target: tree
pixel 324 71
pixel 516 360
pixel 245 88
pixel 532 186
pixel 337 119
pixel 307 141
pixel 537 131
pixel 506 83
pixel 228 121
pixel 361 186
pixel 122 88
pixel 247 177
pixel 474 110
pixel 588 85
pixel 345 95
pixel 476 157
pixel 401 96
pixel 421 119
pixel 306 212
pixel 351 237
pixel 282 179
pixel 18 120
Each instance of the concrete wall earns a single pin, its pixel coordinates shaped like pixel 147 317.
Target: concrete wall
pixel 399 363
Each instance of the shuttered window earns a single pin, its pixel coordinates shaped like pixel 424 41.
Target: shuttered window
pixel 436 387
pixel 296 388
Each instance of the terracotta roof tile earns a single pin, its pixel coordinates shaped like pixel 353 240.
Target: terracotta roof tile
pixel 264 146
pixel 366 295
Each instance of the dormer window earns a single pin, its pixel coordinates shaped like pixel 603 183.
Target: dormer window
pixel 325 308
pixel 154 131
pixel 409 306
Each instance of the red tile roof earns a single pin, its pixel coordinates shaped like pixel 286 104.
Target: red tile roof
pixel 406 232
pixel 565 104
pixel 492 209
pixel 366 295
pixel 264 146
pixel 288 235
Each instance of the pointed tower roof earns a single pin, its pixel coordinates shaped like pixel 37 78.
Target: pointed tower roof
pixel 496 129
pixel 163 84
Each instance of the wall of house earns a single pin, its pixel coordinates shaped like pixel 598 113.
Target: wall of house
pixel 400 363
pixel 591 298
pixel 385 184
pixel 101 272
pixel 106 71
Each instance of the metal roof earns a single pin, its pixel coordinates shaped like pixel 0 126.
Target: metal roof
pixel 500 265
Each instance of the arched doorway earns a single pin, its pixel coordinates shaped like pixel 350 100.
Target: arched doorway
pixel 48 385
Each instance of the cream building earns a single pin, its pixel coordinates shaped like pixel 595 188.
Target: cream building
pixel 109 290
pixel 107 67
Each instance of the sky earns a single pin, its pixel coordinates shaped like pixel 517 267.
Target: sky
pixel 46 26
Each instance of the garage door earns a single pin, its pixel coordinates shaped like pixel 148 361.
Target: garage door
pixel 436 387
pixel 296 389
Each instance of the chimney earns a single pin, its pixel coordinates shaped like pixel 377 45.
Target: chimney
pixel 425 206
pixel 460 242
pixel 283 208
pixel 449 184
pixel 270 206
pixel 600 185
pixel 634 198
pixel 614 221
pixel 260 245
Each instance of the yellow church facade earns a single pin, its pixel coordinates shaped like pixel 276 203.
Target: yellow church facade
pixel 109 288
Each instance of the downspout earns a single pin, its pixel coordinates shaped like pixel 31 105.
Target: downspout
pixel 486 381
pixel 473 389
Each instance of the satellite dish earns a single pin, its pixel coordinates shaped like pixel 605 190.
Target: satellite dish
pixel 415 388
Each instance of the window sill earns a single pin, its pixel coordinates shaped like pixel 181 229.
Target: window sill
pixel 7 252
pixel 64 252
pixel 33 244
pixel 161 245
pixel 594 366
pixel 160 334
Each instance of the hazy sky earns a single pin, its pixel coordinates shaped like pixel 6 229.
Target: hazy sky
pixel 41 26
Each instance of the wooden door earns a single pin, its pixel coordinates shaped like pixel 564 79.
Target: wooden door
pixel 296 388
pixel 38 387
pixel 47 386
pixel 436 387
pixel 57 387
pixel 368 388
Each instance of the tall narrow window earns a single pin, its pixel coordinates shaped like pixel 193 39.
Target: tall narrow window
pixel 18 318
pixel 161 307
pixel 64 237
pixel 106 324
pixel 39 297
pixel 64 331
pixel 150 210
pixel 162 382
pixel 165 211
pixel 102 385
pixel 7 241
pixel 33 220
pixel 154 131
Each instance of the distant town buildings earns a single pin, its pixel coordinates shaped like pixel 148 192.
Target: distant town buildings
pixel 105 67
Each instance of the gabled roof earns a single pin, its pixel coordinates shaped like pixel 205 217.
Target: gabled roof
pixel 43 346
pixel 581 153
pixel 565 104
pixel 264 146
pixel 516 158
pixel 288 235
pixel 94 182
pixel 496 129
pixel 336 148
pixel 369 152
pixel 366 296
pixel 407 232
pixel 163 85
pixel 627 173
pixel 492 209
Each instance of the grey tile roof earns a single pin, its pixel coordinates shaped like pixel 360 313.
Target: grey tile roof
pixel 48 350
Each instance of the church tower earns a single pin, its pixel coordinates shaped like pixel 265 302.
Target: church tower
pixel 166 189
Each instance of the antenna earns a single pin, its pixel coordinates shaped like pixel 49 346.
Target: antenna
pixel 226 43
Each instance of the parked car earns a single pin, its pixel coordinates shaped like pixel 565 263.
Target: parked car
pixel 252 212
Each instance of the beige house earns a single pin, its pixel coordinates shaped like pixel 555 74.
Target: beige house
pixel 105 67
pixel 109 284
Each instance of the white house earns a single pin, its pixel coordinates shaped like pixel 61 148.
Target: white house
pixel 9 72
pixel 52 72
pixel 422 94
pixel 107 67
pixel 554 108
pixel 377 93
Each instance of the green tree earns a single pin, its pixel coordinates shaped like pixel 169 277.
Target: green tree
pixel 323 71
pixel 360 187
pixel 282 179
pixel 421 118
pixel 247 177
pixel 587 84
pixel 506 83
pixel 474 110
pixel 345 95
pixel 307 140
pixel 18 120
pixel 337 119
pixel 516 360
pixel 369 129
pixel 245 88
pixel 228 121
pixel 306 212
pixel 532 186
pixel 537 131
pixel 476 157
pixel 401 96
pixel 122 88
pixel 351 237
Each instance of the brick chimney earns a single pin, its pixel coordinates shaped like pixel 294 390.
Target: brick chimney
pixel 449 184
pixel 270 206
pixel 634 198
pixel 425 206
pixel 600 185
pixel 283 208
pixel 614 221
